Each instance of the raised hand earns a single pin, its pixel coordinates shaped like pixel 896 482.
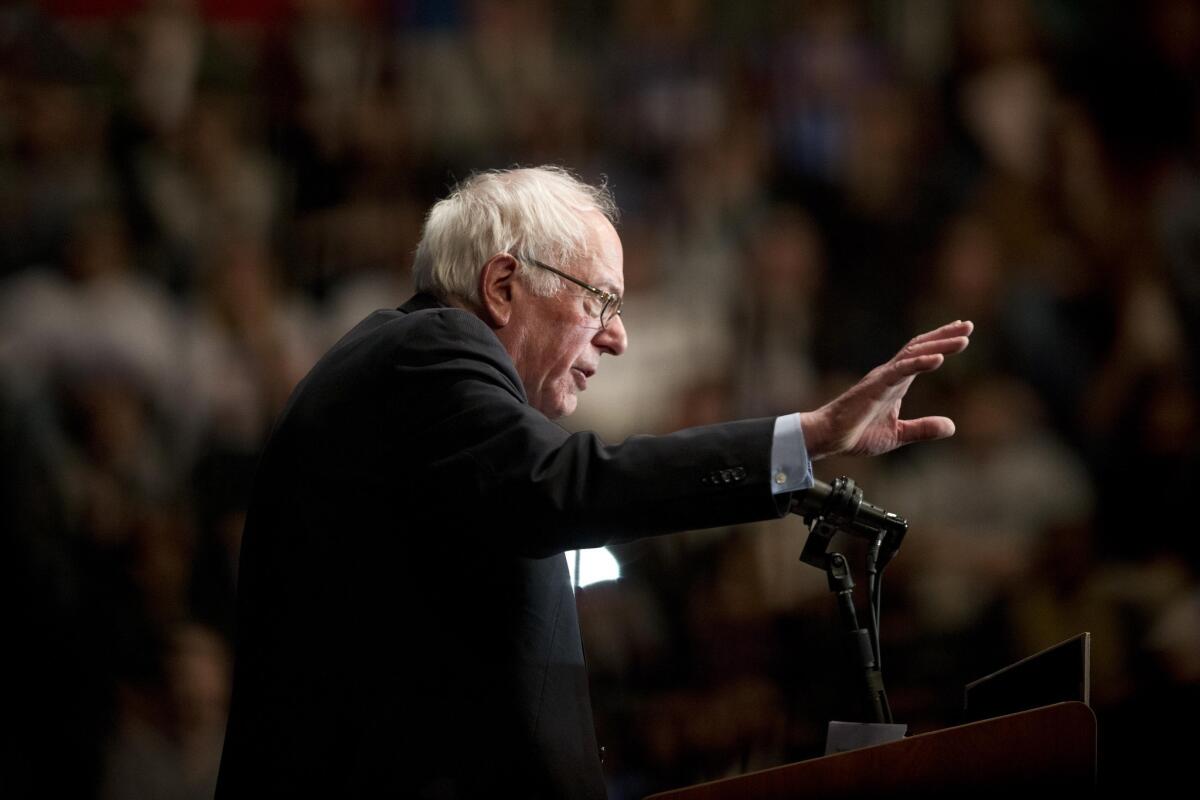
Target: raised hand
pixel 865 419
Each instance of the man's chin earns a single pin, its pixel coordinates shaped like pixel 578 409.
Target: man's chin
pixel 561 407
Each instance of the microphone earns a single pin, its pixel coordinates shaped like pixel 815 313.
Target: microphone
pixel 827 509
pixel 842 505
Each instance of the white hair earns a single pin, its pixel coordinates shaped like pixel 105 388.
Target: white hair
pixel 531 213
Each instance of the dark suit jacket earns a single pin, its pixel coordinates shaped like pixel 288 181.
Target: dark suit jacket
pixel 406 625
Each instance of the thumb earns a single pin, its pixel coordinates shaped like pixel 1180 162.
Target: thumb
pixel 924 429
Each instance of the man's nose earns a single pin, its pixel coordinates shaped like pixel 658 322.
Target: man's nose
pixel 613 339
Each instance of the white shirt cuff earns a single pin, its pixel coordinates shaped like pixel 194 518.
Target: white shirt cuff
pixel 791 469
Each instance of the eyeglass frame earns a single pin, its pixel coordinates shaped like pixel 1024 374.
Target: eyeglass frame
pixel 608 297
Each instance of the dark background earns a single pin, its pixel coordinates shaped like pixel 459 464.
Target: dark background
pixel 197 198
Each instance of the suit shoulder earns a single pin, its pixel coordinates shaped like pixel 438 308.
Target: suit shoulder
pixel 449 325
pixel 432 341
pixel 433 329
pixel 445 334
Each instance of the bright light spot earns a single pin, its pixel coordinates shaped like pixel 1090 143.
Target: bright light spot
pixel 594 566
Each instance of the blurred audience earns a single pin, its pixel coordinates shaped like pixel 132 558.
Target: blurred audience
pixel 198 198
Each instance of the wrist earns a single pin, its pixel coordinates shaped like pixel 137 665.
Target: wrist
pixel 816 434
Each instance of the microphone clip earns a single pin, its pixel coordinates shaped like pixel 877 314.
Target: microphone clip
pixel 843 509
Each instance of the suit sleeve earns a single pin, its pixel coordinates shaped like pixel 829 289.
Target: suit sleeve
pixel 548 490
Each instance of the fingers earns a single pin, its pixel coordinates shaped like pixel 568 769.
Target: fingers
pixel 953 344
pixel 951 329
pixel 927 351
pixel 924 429
pixel 907 367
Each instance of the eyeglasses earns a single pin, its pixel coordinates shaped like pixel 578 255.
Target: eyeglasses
pixel 611 303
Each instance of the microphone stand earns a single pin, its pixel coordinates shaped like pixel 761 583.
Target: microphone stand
pixel 839 512
pixel 860 641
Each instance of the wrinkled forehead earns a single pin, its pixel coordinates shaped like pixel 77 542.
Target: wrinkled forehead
pixel 605 264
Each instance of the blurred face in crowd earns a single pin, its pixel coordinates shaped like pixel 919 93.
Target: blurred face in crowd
pixel 556 341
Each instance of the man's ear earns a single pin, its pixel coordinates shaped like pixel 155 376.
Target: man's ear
pixel 497 284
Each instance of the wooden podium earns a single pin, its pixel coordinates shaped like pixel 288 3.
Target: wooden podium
pixel 1050 747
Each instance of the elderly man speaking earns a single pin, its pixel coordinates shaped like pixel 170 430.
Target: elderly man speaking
pixel 405 624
